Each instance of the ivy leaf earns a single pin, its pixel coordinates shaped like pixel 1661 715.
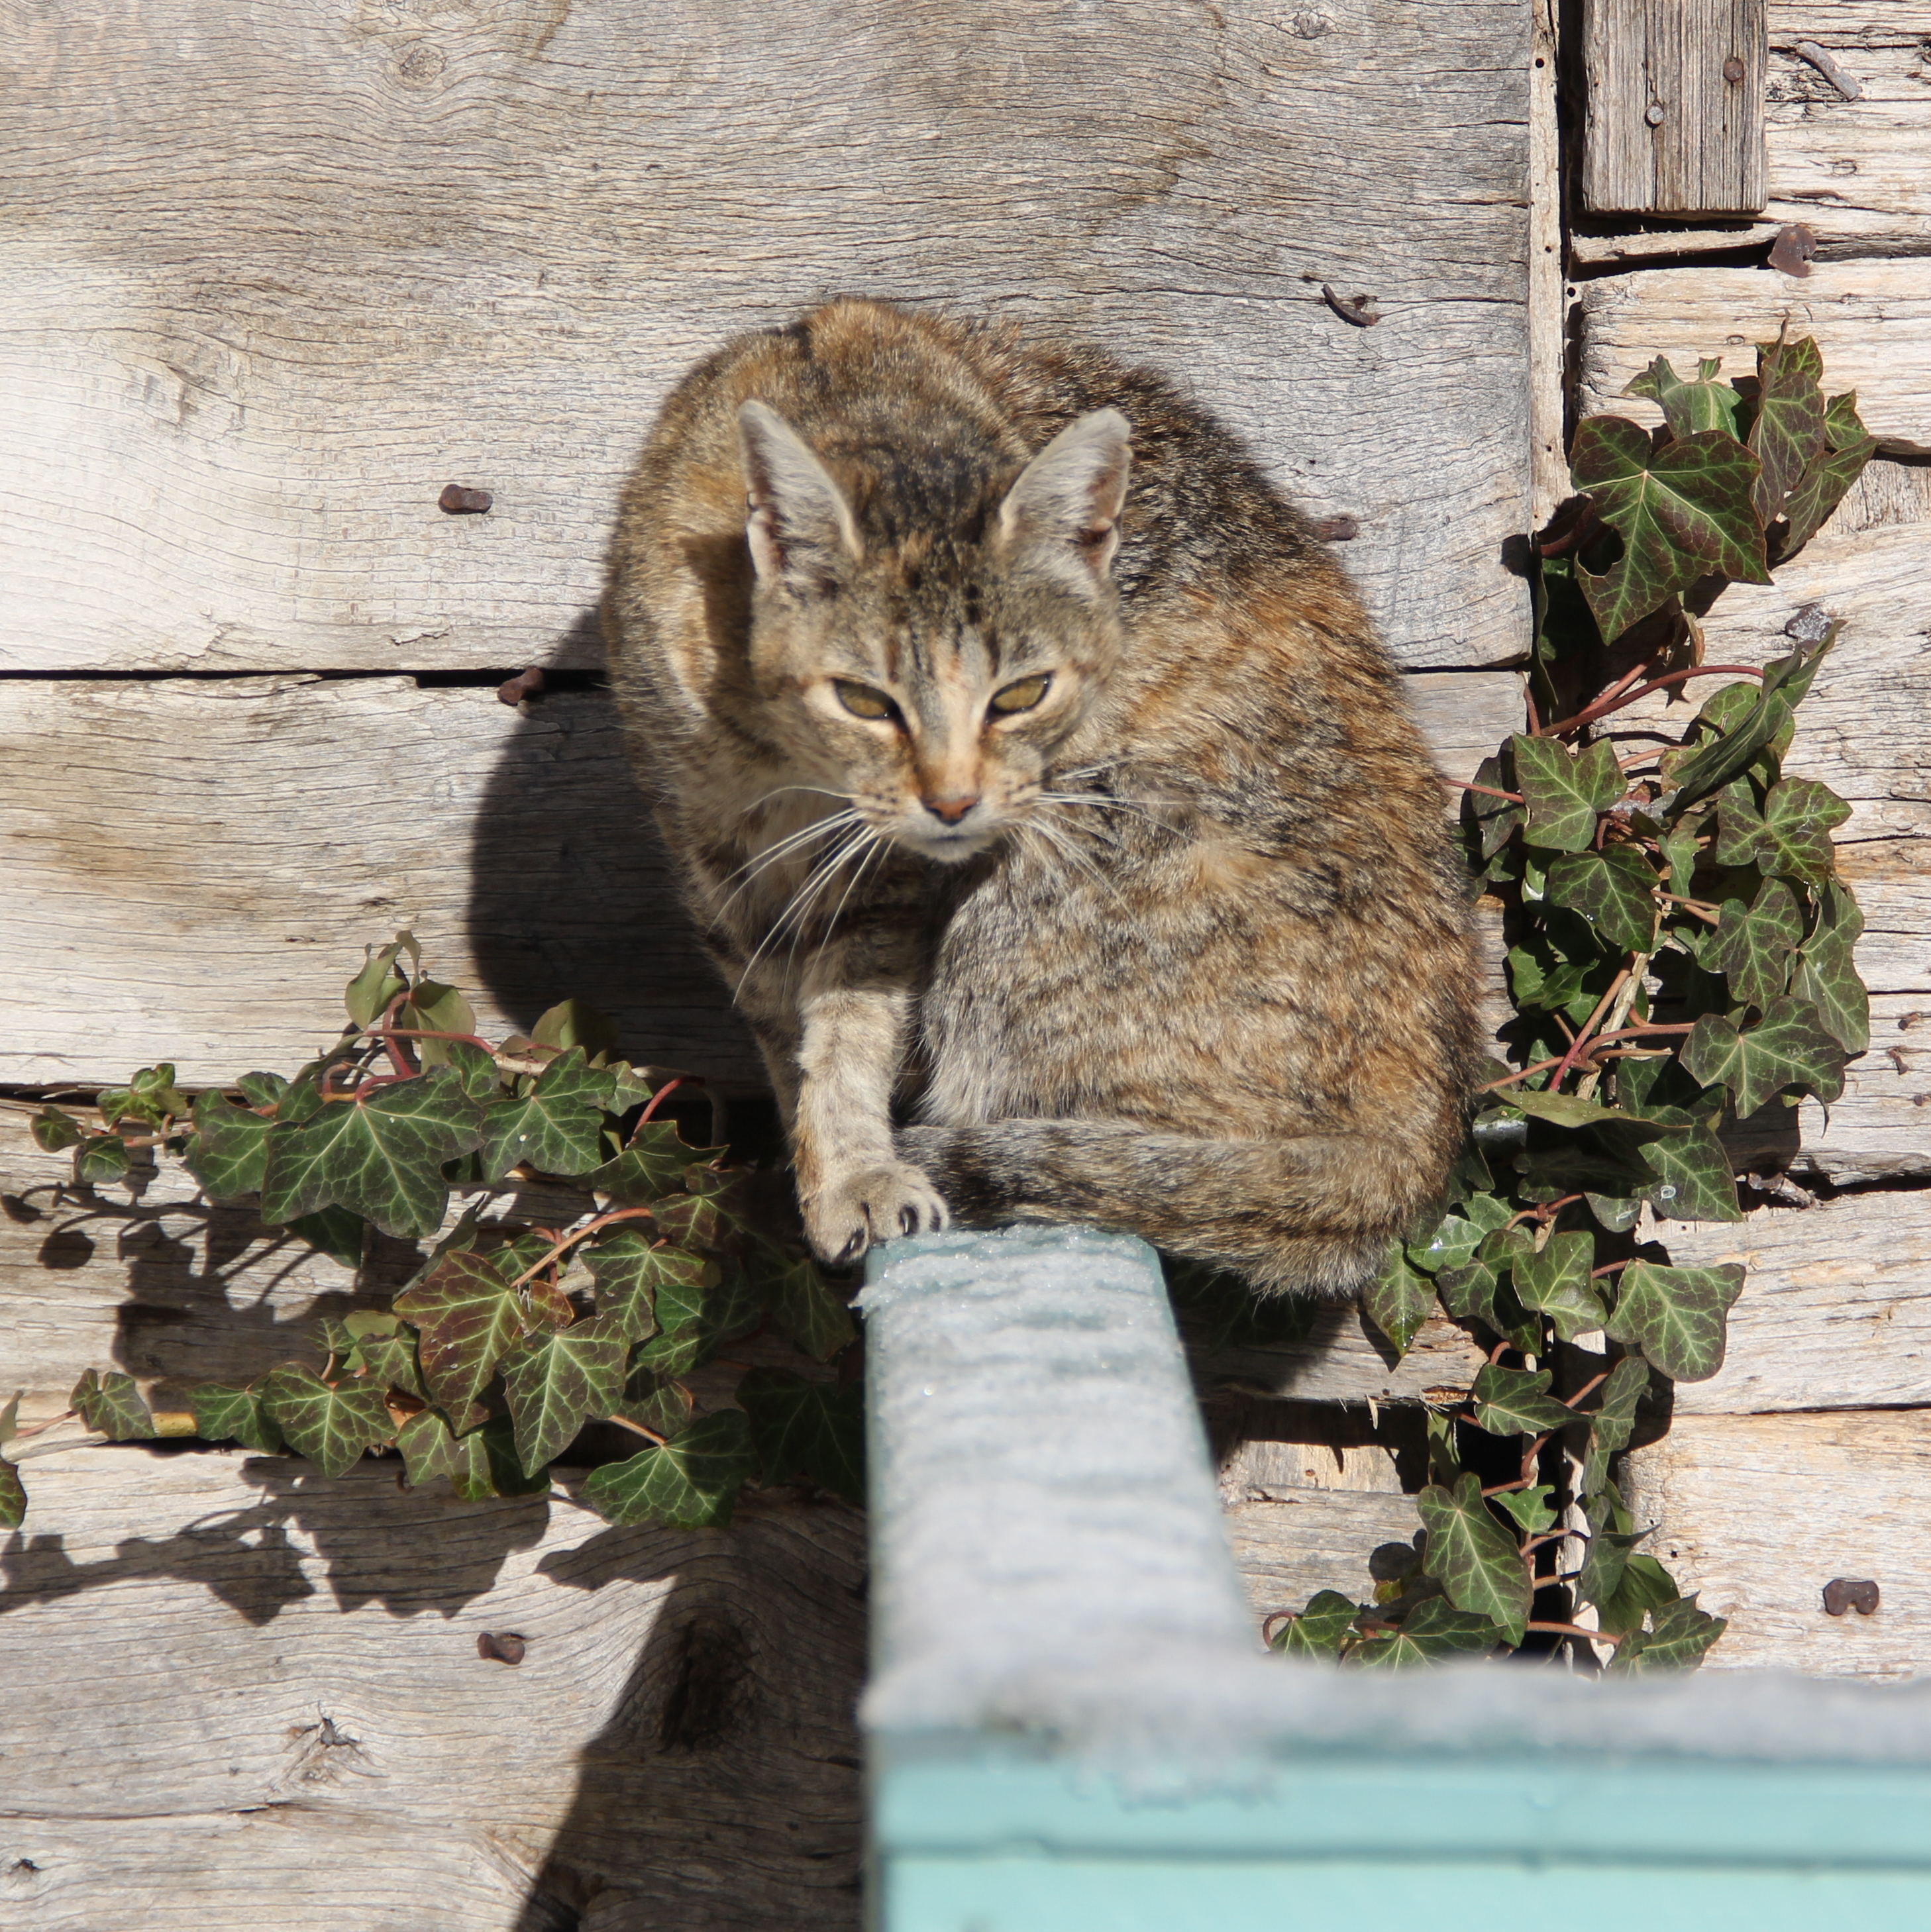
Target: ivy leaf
pixel 1430 1631
pixel 380 1158
pixel 1675 1315
pixel 333 1231
pixel 1560 1110
pixel 331 1426
pixel 434 1008
pixel 262 1089
pixel 650 1167
pixel 695 1321
pixel 1562 794
pixel 1555 1282
pixel 1530 1508
pixel 659 1402
pixel 55 1132
pixel 1676 1638
pixel 1473 1557
pixel 1453 1243
pixel 1788 430
pixel 483 1464
pixel 469 1317
pixel 111 1405
pixel 803 1305
pixel 223 1414
pixel 812 1430
pixel 390 1362
pixel 1795 840
pixel 1397 1301
pixel 1614 890
pixel 1713 766
pixel 690 1482
pixel 13 1497
pixel 1683 511
pixel 557 1127
pixel 475 1069
pixel 102 1160
pixel 630 1271
pixel 1516 1401
pixel 379 982
pixel 1694 1182
pixel 1614 1420
pixel 1788 1047
pixel 559 1379
pixel 1606 1554
pixel 1848 447
pixel 1646 1585
pixel 151 1097
pixel 576 1023
pixel 424 1442
pixel 1320 1629
pixel 1751 945
pixel 230 1149
pixel 1690 407
pixel 1826 976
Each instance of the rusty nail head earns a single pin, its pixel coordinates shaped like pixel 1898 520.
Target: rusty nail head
pixel 1733 70
pixel 458 501
pixel 524 684
pixel 1850 1593
pixel 502 1647
pixel 1654 114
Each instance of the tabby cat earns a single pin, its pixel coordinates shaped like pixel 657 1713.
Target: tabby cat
pixel 1041 790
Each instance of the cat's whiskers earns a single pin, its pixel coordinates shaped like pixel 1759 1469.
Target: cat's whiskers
pixel 798 908
pixel 788 847
pixel 1058 840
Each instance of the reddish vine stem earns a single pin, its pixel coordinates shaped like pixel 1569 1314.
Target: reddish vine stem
pixel 568 1241
pixel 1574 1630
pixel 1589 1026
pixel 1487 791
pixel 1603 707
pixel 638 1429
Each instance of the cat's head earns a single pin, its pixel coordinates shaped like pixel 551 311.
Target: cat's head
pixel 924 653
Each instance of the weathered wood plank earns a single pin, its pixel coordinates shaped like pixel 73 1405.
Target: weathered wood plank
pixel 1758 1513
pixel 274 278
pixel 1836 1311
pixel 1300 1541
pixel 194 866
pixel 226 1675
pixel 1872 320
pixel 1674 124
pixel 1850 23
pixel 1338 1362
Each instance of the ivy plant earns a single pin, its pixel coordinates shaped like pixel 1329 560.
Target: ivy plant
pixel 1679 957
pixel 510 1339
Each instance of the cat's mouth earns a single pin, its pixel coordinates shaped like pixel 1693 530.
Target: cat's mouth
pixel 949 845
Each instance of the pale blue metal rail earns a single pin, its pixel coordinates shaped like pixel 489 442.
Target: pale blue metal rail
pixel 1071 1725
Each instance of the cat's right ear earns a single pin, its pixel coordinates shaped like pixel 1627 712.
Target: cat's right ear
pixel 1062 516
pixel 800 529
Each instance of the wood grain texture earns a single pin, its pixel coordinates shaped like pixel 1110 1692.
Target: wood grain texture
pixel 193 866
pixel 1850 23
pixel 228 1676
pixel 1668 130
pixel 1872 320
pixel 1338 1362
pixel 1758 1513
pixel 1836 1310
pixel 276 273
pixel 1300 1541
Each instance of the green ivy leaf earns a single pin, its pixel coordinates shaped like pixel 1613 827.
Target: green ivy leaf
pixel 1398 1301
pixel 1789 431
pixel 1555 1282
pixel 331 1426
pixel 1453 1243
pixel 1613 890
pixel 434 1008
pixel 1606 1554
pixel 804 1304
pixel 333 1231
pixel 690 1482
pixel 655 1402
pixel 469 1316
pixel 1430 1631
pixel 230 1149
pixel 1492 819
pixel 1683 511
pixel 1614 1419
pixel 1788 1047
pixel 1826 976
pixel 1676 1638
pixel 1752 944
pixel 151 1097
pixel 13 1497
pixel 1689 408
pixel 1712 766
pixel 475 1069
pixel 1794 841
pixel 559 1378
pixel 223 1414
pixel 111 1405
pixel 55 1132
pixel 576 1023
pixel 101 1161
pixel 1675 1315
pixel 629 1270
pixel 390 1362
pixel 1473 1557
pixel 1694 1182
pixel 425 1443
pixel 812 1430
pixel 1516 1401
pixel 1321 1630
pixel 379 982
pixel 557 1127
pixel 483 1464
pixel 262 1089
pixel 1562 794
pixel 1529 1509
pixel 1645 1585
pixel 1827 477
pixel 652 1166
pixel 380 1158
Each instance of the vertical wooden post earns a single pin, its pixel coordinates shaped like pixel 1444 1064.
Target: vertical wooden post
pixel 1676 107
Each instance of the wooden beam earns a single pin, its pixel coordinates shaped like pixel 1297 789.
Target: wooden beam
pixel 1675 107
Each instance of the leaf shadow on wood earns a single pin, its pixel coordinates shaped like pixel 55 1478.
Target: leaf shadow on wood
pixel 723 1794
pixel 573 895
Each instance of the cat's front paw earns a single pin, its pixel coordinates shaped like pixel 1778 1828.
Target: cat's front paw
pixel 873 1203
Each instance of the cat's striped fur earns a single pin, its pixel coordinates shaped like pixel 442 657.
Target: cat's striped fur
pixel 1178 946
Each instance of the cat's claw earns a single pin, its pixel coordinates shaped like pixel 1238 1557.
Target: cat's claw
pixel 876 1204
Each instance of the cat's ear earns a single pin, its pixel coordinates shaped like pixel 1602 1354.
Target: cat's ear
pixel 800 529
pixel 1062 516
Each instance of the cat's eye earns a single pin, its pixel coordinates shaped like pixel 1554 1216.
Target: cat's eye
pixel 1023 696
pixel 862 701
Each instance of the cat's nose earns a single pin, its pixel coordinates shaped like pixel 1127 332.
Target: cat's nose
pixel 950 811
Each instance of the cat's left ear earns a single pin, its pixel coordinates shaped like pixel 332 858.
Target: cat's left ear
pixel 800 528
pixel 1062 516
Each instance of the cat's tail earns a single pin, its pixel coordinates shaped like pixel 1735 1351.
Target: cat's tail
pixel 1312 1215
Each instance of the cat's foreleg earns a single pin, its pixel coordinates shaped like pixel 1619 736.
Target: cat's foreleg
pixel 853 1186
